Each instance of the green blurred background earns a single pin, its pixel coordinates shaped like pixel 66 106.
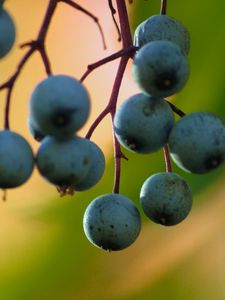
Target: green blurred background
pixel 43 251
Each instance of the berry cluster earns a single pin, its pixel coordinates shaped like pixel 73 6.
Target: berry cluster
pixel 144 123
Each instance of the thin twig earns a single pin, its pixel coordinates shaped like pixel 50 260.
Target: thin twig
pixel 167 159
pixel 163 7
pixel 130 50
pixel 176 109
pixel 113 12
pixel 93 17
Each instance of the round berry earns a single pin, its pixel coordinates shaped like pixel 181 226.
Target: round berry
pixel 16 159
pixel 143 123
pixel 59 105
pixel 35 131
pixel 8 32
pixel 96 170
pixel 162 27
pixel 166 198
pixel 64 162
pixel 160 68
pixel 112 222
pixel 197 142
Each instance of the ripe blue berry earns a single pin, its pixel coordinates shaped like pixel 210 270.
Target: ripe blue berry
pixel 16 159
pixel 8 32
pixel 160 68
pixel 143 123
pixel 96 170
pixel 35 131
pixel 162 27
pixel 197 142
pixel 64 162
pixel 59 105
pixel 112 222
pixel 166 198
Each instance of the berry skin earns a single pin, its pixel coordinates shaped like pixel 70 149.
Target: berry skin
pixel 8 32
pixel 142 123
pixel 35 131
pixel 16 160
pixel 197 142
pixel 64 162
pixel 96 170
pixel 112 222
pixel 59 105
pixel 160 68
pixel 166 198
pixel 162 27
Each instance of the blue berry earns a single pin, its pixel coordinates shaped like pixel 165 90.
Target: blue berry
pixel 112 222
pixel 166 198
pixel 162 27
pixel 8 32
pixel 142 123
pixel 96 170
pixel 64 162
pixel 59 105
pixel 16 159
pixel 35 131
pixel 197 142
pixel 160 68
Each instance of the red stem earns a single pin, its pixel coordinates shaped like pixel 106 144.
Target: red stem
pixel 111 106
pixel 131 50
pixel 163 7
pixel 167 158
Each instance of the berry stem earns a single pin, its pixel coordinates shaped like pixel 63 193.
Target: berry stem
pixel 167 158
pixel 126 53
pixel 163 7
pixel 130 50
pixel 93 17
pixel 124 24
pixel 176 109
pixel 113 12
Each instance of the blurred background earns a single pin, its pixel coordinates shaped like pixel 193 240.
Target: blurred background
pixel 44 253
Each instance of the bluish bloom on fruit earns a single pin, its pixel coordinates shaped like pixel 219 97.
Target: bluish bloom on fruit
pixel 96 170
pixel 160 68
pixel 112 222
pixel 7 32
pixel 64 162
pixel 162 27
pixel 59 105
pixel 197 142
pixel 166 198
pixel 16 159
pixel 142 123
pixel 35 131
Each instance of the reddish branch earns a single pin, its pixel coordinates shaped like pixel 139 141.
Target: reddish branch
pixel 167 159
pixel 39 46
pixel 176 109
pixel 125 53
pixel 163 7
